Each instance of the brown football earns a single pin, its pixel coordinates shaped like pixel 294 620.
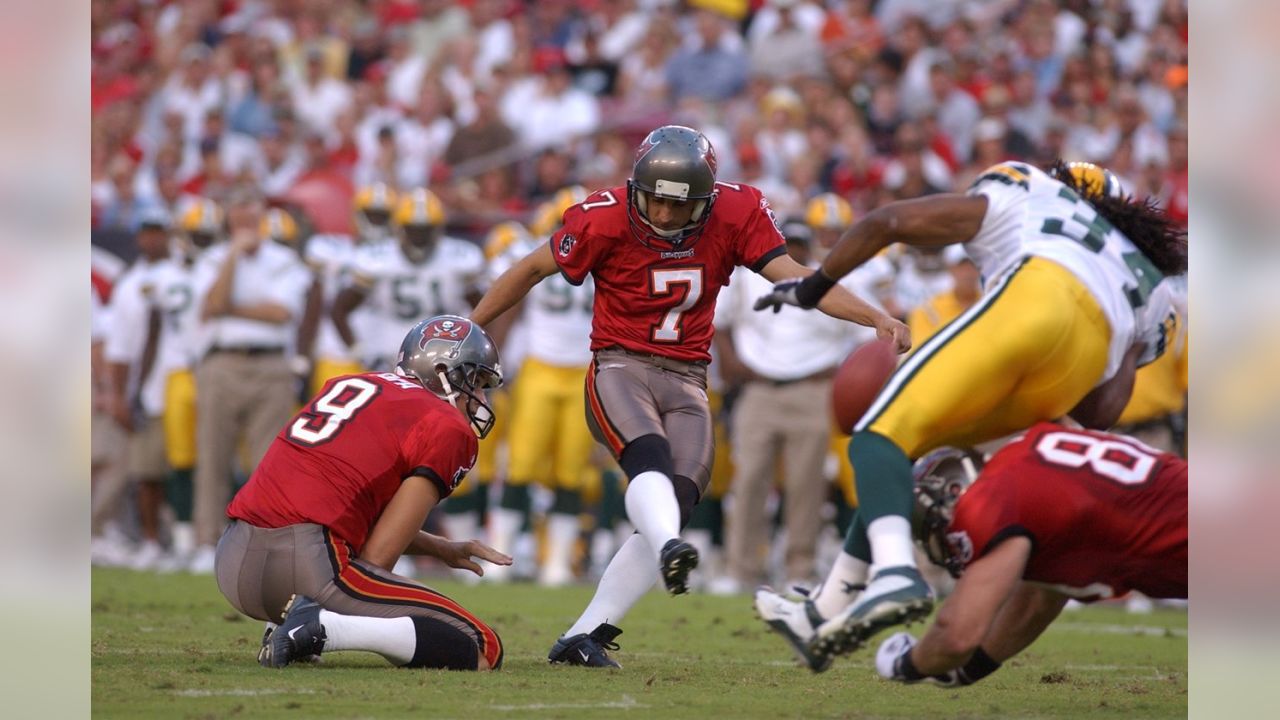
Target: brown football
pixel 860 379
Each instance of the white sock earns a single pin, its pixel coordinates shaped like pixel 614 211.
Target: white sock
pixel 184 539
pixel 629 576
pixel 504 525
pixel 652 507
pixel 890 538
pixel 562 532
pixel 836 593
pixel 393 638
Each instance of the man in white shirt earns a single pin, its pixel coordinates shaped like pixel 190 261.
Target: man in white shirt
pixel 318 98
pixel 785 365
pixel 254 301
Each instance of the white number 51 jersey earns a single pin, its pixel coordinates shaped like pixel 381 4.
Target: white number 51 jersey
pixel 1030 213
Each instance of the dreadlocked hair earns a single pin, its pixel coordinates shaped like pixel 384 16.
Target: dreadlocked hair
pixel 1161 238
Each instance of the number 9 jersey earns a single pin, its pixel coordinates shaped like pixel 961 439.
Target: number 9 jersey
pixel 662 301
pixel 340 460
pixel 1031 213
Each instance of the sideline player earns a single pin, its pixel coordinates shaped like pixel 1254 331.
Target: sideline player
pixel 1058 514
pixel 659 249
pixel 1074 302
pixel 342 493
pixel 424 273
pixel 548 440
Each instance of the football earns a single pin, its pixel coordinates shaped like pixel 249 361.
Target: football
pixel 859 380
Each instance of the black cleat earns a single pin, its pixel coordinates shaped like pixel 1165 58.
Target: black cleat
pixel 300 634
pixel 678 559
pixel 587 649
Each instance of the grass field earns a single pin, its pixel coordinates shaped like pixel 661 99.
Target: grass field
pixel 171 647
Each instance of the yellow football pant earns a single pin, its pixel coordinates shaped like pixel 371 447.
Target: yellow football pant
pixel 1028 351
pixel 549 440
pixel 179 419
pixel 328 368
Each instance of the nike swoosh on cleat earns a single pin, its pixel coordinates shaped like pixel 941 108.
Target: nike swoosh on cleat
pixel 293 632
pixel 584 656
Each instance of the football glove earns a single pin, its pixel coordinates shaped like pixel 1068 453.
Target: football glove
pixel 892 663
pixel 801 292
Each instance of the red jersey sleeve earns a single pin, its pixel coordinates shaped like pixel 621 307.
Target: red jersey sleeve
pixel 762 241
pixel 442 452
pixel 577 246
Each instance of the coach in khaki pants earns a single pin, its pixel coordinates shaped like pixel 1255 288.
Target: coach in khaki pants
pixel 782 419
pixel 256 295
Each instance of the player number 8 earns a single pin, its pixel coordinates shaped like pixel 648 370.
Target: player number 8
pixel 1112 459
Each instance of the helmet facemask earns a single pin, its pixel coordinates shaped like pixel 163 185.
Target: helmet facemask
pixel 466 380
pixel 419 241
pixel 654 237
pixel 942 477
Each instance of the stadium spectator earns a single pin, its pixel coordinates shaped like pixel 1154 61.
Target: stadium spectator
pixel 712 66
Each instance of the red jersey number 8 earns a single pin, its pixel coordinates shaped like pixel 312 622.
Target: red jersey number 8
pixel 329 412
pixel 1112 459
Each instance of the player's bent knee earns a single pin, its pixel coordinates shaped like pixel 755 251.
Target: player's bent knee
pixel 687 495
pixel 645 453
pixel 443 646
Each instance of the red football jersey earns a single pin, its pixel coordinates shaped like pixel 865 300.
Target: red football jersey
pixel 339 461
pixel 1105 514
pixel 662 302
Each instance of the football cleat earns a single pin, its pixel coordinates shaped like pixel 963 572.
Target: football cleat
pixel 299 635
pixel 264 652
pixel 794 620
pixel 678 559
pixel 587 649
pixel 895 596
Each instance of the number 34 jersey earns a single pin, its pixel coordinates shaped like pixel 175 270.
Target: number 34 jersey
pixel 340 460
pixel 1105 514
pixel 654 301
pixel 1030 213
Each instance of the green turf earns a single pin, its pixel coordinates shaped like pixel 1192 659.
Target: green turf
pixel 170 647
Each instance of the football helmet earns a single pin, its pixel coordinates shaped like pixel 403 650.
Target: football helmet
pixel 673 162
pixel 279 225
pixel 202 223
pixel 941 477
pixel 1094 180
pixel 419 222
pixel 502 237
pixel 373 205
pixel 450 355
pixel 828 211
pixel 550 215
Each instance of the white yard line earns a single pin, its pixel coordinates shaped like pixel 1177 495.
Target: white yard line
pixel 242 692
pixel 1109 629
pixel 626 703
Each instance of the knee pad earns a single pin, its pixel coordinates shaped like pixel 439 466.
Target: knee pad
pixel 687 495
pixel 645 453
pixel 441 645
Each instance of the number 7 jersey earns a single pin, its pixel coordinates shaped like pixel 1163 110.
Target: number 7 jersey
pixel 662 301
pixel 1030 213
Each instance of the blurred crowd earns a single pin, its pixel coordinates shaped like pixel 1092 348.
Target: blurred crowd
pixel 364 121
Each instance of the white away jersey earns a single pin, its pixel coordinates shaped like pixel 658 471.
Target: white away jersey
pixel 1030 213
pixel 401 293
pixel 332 259
pixel 556 316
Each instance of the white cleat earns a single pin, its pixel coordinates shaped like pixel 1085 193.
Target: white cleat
pixel 796 621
